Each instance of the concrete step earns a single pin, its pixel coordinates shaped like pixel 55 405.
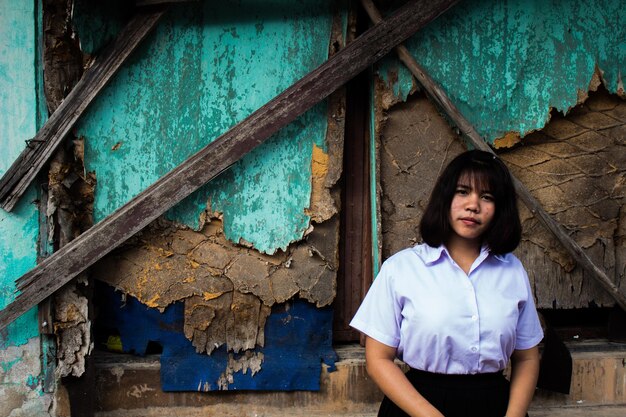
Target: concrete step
pixel 129 386
pixel 583 411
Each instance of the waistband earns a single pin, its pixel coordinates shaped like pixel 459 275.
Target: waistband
pixel 454 380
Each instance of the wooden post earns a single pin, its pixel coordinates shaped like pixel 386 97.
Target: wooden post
pixel 216 157
pixel 437 94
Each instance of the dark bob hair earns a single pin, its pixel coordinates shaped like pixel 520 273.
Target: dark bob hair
pixel 489 173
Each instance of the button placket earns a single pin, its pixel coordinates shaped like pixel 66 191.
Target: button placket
pixel 475 323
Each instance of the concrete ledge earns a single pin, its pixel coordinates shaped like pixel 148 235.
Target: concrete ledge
pixel 131 383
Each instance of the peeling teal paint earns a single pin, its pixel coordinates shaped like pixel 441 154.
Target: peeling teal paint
pixel 18 118
pixel 20 115
pixel 207 67
pixel 33 382
pixel 6 366
pixel 374 211
pixel 506 64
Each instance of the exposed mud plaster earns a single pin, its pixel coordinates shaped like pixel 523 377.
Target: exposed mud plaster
pixel 575 167
pixel 248 362
pixel 73 329
pixel 69 206
pixel 69 213
pixel 62 57
pixel 228 289
pixel 416 142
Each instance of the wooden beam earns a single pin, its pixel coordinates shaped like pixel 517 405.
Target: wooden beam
pixel 40 149
pixel 437 94
pixel 216 157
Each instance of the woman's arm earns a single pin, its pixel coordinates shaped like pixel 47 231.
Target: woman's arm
pixel 524 373
pixel 392 381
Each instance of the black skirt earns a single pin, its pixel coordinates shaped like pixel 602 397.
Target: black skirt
pixel 482 395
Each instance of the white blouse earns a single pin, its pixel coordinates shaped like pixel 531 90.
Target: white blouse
pixel 443 321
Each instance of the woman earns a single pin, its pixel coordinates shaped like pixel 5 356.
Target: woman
pixel 456 308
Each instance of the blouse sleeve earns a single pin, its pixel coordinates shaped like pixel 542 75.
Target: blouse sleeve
pixel 380 312
pixel 529 331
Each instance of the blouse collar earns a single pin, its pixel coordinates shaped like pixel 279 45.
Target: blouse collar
pixel 430 254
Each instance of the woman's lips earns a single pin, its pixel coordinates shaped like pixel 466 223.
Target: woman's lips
pixel 470 220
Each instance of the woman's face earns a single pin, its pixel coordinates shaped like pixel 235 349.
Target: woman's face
pixel 472 209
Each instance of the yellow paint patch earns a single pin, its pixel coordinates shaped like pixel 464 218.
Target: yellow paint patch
pixel 165 253
pixel 211 295
pixel 319 162
pixel 509 140
pixel 153 301
pixel 322 206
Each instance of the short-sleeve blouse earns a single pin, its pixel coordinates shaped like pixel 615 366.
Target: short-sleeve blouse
pixel 442 320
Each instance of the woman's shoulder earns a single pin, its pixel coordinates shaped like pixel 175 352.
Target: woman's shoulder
pixel 509 260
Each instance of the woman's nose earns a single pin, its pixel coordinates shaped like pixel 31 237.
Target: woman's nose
pixel 473 203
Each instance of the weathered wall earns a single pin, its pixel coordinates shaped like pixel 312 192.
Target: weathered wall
pixel 207 67
pixel 266 230
pixel 574 167
pixel 505 64
pixel 511 68
pixel 20 367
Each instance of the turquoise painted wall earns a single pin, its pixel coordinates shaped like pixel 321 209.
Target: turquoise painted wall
pixel 206 68
pixel 506 63
pixel 18 120
pixel 21 390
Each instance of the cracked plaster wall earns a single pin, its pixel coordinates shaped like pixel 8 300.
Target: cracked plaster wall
pixel 266 230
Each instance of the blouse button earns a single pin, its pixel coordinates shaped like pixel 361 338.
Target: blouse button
pixel 474 317
pixel 474 349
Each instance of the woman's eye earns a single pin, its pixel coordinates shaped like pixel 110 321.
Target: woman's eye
pixel 488 197
pixel 461 191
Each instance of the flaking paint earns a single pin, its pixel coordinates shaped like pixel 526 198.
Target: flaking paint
pixel 20 367
pixel 506 63
pixel 18 101
pixel 204 69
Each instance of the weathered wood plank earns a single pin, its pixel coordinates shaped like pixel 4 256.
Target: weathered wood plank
pixel 216 157
pixel 40 149
pixel 467 129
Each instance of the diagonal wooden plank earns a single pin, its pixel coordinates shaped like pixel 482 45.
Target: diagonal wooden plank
pixel 437 94
pixel 216 157
pixel 40 149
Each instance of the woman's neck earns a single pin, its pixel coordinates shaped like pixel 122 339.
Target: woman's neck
pixel 463 251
